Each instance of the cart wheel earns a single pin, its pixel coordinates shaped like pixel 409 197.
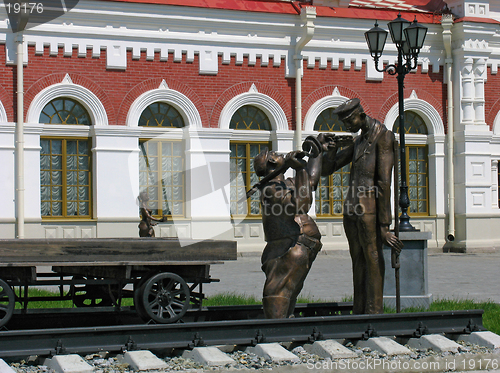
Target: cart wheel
pixel 165 297
pixel 90 295
pixel 7 303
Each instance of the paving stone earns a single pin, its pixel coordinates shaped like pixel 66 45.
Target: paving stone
pixel 211 356
pixel 274 352
pixel 68 364
pixel 486 339
pixel 435 342
pixel 384 345
pixel 143 360
pixel 5 368
pixel 329 349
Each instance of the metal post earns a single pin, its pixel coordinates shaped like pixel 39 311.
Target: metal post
pixel 404 201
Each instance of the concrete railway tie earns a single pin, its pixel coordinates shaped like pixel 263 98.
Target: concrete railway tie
pixel 478 351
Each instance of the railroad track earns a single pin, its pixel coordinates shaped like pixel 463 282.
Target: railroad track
pixel 236 331
pixel 108 316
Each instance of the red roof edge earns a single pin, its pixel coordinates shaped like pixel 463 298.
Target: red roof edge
pixel 478 20
pixel 247 6
pixel 378 14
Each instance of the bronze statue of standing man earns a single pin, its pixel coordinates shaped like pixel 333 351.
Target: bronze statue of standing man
pixel 367 207
pixel 293 239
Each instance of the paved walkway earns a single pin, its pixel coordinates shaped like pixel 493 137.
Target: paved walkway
pixel 458 276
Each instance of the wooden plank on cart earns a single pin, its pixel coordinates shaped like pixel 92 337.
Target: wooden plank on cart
pixel 113 251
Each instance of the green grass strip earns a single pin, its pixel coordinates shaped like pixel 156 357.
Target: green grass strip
pixel 491 317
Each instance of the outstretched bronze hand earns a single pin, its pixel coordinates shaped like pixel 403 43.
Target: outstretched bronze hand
pixel 390 240
pixel 295 160
pixel 330 141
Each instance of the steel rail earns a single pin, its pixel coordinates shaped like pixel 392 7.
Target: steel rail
pixel 240 332
pixel 107 316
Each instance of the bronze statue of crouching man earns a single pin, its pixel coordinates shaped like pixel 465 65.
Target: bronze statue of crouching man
pixel 293 238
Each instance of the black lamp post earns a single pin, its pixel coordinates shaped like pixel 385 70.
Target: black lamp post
pixel 409 39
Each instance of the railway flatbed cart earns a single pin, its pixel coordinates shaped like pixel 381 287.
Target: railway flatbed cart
pixel 163 276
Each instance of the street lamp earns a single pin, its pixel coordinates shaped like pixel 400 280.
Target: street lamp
pixel 409 39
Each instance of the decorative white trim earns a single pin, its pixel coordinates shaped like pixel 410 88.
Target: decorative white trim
pixel 496 125
pixel 319 106
pixel 251 135
pixel 184 106
pixel 67 80
pixel 66 130
pixel 3 114
pixel 270 107
pixel 163 85
pixel 84 96
pixel 428 113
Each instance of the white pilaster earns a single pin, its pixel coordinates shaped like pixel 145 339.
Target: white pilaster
pixel 7 187
pixel 474 184
pixel 208 182
pixel 466 92
pixel 494 184
pixel 480 74
pixel 32 208
pixel 116 173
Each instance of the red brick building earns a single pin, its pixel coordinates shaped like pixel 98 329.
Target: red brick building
pixel 177 98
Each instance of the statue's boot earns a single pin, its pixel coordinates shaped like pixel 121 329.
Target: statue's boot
pixel 275 307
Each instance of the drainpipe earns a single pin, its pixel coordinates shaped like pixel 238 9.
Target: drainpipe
pixel 447 23
pixel 307 15
pixel 19 148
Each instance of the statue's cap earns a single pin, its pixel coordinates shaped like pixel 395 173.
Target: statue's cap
pixel 347 108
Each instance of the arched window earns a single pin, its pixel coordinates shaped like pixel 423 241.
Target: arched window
pixel 417 165
pixel 161 162
pixel 333 188
pixel 161 114
pixel 327 121
pixel 414 124
pixel 249 117
pixel 64 111
pixel 65 163
pixel 241 160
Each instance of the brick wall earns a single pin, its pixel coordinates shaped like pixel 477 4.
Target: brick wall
pixel 210 93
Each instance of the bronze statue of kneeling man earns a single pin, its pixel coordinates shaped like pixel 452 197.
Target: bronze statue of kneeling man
pixel 293 238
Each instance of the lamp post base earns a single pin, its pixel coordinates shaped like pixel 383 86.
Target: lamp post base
pixel 405 226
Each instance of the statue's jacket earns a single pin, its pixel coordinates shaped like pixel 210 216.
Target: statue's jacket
pixel 372 157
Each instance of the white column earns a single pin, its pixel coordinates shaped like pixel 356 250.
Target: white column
pixel 115 154
pixel 437 197
pixel 467 94
pixel 207 184
pixel 479 80
pixel 32 175
pixel 7 180
pixel 494 184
